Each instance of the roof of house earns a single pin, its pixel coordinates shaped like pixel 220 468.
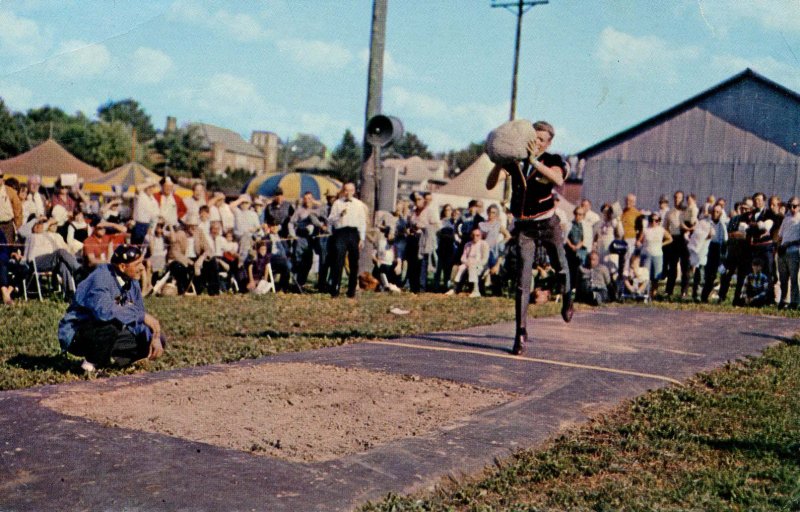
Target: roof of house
pixel 232 141
pixel 49 159
pixel 695 101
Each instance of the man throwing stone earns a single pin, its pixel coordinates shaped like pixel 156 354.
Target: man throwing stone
pixel 106 322
pixel 535 222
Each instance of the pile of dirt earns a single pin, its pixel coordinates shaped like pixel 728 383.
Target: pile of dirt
pixel 295 411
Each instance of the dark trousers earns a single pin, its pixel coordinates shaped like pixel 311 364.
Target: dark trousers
pixel 324 264
pixel 676 253
pixel 547 234
pixel 413 263
pixel 208 278
pixel 282 266
pixel 345 243
pixel 98 342
pixel 303 259
pixel 714 260
pixel 444 267
pixel 739 267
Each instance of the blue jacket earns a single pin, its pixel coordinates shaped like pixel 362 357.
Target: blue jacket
pixel 102 297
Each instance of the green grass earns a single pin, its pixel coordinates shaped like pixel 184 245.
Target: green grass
pixel 728 440
pixel 205 330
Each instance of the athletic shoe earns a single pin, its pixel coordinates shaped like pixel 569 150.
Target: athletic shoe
pixel 87 367
pixel 475 294
pixel 450 292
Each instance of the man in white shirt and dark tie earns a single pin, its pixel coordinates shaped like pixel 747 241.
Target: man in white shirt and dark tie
pixel 349 220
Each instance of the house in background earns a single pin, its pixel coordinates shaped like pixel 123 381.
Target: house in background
pixel 740 137
pixel 229 150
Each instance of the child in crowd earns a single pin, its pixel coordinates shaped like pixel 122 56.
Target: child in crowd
pixel 638 279
pixel 755 292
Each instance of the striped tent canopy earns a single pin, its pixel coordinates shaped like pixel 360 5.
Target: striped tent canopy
pixel 293 184
pixel 125 179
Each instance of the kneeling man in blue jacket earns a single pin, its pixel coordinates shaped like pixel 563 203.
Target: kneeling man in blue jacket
pixel 106 323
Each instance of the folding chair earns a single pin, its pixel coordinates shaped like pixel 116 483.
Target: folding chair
pixel 269 278
pixel 35 277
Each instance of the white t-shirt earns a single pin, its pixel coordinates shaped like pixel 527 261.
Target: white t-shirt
pixel 653 241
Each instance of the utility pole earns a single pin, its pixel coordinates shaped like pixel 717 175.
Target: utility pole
pixel 374 100
pixel 519 7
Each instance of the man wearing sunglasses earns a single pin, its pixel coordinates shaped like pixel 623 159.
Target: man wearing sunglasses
pixel 789 254
pixel 106 323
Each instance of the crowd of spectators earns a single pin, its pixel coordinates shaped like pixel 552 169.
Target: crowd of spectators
pixel 208 243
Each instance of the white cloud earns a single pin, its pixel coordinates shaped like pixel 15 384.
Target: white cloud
pixel 316 54
pixel 721 16
pixel 77 59
pixel 241 27
pixel 781 72
pixel 400 99
pixel 150 65
pixel 642 57
pixel 16 97
pixel 21 37
pixel 442 125
pixel 225 95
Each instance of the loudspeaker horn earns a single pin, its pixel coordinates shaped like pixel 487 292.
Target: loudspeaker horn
pixel 383 130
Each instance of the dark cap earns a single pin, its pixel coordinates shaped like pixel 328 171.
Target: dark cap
pixel 126 253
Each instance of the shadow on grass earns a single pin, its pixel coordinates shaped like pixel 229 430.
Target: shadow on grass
pixel 56 362
pixel 785 451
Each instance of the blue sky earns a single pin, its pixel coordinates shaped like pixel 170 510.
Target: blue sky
pixel 592 68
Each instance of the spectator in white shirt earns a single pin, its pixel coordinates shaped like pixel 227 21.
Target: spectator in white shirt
pixel 197 200
pixel 348 217
pixel 146 211
pixel 48 251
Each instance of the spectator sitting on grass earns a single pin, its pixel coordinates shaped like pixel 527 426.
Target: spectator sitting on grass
pixel 473 261
pixel 595 286
pixel 257 269
pixel 106 322
pixel 637 280
pixel 755 292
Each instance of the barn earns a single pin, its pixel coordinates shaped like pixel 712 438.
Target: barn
pixel 737 138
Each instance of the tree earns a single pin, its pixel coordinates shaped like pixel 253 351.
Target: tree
pixel 130 112
pixel 12 137
pixel 302 146
pixel 346 159
pixel 410 145
pixel 182 151
pixel 463 158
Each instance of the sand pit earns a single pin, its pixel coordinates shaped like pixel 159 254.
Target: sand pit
pixel 295 411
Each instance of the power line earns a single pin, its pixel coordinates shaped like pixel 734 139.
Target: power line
pixel 519 7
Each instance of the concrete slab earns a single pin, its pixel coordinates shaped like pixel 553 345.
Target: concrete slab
pixel 52 461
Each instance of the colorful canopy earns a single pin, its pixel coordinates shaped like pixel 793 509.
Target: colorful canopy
pixel 125 179
pixel 293 184
pixel 48 160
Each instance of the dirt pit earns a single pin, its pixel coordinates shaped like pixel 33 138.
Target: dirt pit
pixel 295 411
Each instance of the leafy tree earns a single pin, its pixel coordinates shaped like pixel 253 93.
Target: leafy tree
pixel 128 111
pixel 182 151
pixel 12 137
pixel 463 158
pixel 346 159
pixel 302 146
pixel 410 145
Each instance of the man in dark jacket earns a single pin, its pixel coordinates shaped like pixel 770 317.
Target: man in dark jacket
pixel 535 222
